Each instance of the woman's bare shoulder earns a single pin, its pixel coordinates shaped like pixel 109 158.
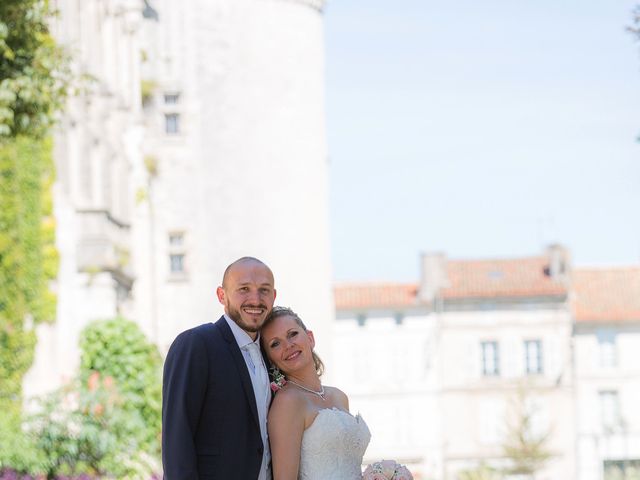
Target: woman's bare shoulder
pixel 338 396
pixel 288 398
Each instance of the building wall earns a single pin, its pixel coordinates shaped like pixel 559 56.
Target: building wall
pixel 96 144
pixel 478 408
pixel 387 365
pixel 247 172
pixel 608 429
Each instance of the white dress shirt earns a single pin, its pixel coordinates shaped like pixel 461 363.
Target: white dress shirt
pixel 261 389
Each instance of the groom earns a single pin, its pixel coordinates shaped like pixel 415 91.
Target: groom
pixel 215 389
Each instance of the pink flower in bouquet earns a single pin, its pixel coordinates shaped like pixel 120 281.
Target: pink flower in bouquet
pixel 386 470
pixel 371 474
pixel 403 473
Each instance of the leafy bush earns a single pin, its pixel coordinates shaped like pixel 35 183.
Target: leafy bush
pixel 17 448
pixel 83 429
pixel 117 348
pixel 104 424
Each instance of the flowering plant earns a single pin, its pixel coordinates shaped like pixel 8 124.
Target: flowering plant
pixel 278 381
pixel 386 470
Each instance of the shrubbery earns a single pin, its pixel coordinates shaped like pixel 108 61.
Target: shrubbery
pixel 104 424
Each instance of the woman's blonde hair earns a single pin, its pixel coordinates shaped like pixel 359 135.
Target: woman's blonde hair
pixel 277 312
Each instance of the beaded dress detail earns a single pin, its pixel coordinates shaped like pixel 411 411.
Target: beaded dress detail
pixel 333 446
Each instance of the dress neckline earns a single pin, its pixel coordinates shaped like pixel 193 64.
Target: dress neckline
pixel 332 409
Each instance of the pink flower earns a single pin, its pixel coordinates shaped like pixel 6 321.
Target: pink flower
pixel 377 476
pixel 108 382
pixel 94 381
pixel 402 473
pixel 388 468
pixel 370 474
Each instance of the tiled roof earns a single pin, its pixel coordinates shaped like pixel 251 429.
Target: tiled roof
pixel 597 294
pixel 375 295
pixel 606 295
pixel 523 277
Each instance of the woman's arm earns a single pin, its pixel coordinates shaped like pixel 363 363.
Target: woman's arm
pixel 286 426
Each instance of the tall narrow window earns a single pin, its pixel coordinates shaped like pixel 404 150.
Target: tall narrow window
pixel 490 359
pixel 609 409
pixel 533 356
pixel 172 123
pixel 171 98
pixel 177 255
pixel 607 348
pixel 177 263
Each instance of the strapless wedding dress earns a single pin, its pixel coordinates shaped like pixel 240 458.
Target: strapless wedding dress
pixel 333 446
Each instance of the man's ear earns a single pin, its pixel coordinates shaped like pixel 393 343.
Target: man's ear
pixel 220 294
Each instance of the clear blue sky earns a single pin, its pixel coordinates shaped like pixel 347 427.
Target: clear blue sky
pixel 481 129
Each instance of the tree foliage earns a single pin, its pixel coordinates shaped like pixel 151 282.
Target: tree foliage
pixel 28 258
pixel 33 69
pixel 481 472
pixel 33 79
pixel 525 447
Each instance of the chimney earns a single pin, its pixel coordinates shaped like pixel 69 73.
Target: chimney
pixel 433 276
pixel 559 262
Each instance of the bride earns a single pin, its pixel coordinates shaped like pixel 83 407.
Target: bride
pixel 312 434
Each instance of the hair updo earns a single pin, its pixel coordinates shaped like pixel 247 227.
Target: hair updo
pixel 278 312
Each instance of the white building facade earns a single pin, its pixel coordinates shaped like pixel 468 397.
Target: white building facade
pixel 197 138
pixel 481 350
pixel 236 138
pixel 607 374
pixel 97 145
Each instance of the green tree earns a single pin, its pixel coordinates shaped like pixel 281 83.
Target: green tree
pixel 525 448
pixel 33 80
pixel 481 472
pixel 28 258
pixel 33 69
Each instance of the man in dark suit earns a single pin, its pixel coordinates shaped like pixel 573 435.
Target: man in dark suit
pixel 215 386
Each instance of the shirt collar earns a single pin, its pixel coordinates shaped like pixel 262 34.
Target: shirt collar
pixel 242 338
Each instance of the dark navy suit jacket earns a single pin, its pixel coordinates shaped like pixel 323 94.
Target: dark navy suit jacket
pixel 210 424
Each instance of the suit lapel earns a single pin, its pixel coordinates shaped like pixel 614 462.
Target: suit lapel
pixel 241 366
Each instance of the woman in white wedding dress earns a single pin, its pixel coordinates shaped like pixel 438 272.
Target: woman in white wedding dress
pixel 311 432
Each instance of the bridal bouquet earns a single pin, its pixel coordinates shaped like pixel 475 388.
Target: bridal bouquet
pixel 386 470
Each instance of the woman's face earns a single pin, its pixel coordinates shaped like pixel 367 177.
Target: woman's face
pixel 287 344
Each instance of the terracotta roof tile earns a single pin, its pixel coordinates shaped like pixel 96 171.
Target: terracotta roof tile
pixel 606 295
pixel 375 295
pixel 522 277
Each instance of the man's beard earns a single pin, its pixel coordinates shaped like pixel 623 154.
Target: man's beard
pixel 236 316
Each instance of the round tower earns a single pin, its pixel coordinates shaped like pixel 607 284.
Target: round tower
pixel 235 159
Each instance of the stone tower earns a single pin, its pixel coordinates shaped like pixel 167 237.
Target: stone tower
pixel 235 158
pixel 224 157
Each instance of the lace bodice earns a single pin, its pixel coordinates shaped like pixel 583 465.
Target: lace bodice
pixel 333 446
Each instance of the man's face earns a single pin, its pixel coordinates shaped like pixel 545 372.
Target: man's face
pixel 248 295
